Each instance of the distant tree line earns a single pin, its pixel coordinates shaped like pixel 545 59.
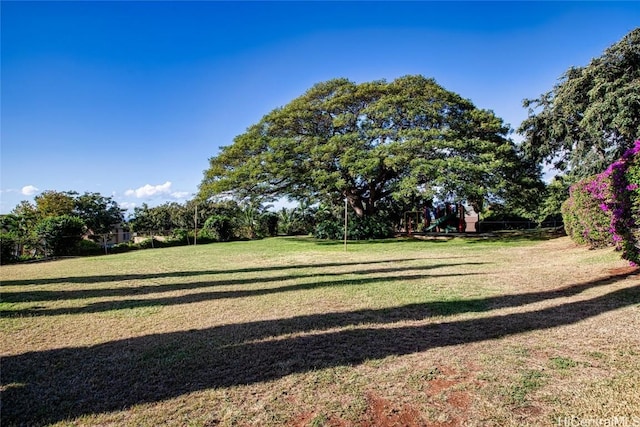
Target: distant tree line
pixel 57 223
pixel 67 223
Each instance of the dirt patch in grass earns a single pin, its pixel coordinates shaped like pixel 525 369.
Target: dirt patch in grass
pixel 629 270
pixel 384 413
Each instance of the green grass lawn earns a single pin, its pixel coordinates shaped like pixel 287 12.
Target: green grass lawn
pixel 292 331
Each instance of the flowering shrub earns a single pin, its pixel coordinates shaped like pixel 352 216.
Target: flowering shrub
pixel 584 219
pixel 605 209
pixel 633 180
pixel 625 206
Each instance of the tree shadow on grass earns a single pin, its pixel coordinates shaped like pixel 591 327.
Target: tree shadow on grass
pixel 438 308
pixel 49 386
pixel 136 291
pixel 191 298
pixel 147 276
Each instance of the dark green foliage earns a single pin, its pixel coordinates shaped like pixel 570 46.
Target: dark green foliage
pixel 99 213
pixel 591 116
pixel 217 222
pixel 123 247
pixel 88 247
pixel 329 222
pixel 329 229
pixel 151 243
pixel 155 219
pixel 14 236
pixel 174 216
pixel 499 213
pixel 60 234
pixel 373 143
pixel 500 218
pixel 182 235
pixel 21 223
pixel 358 228
pixel 30 222
pixel 218 228
pixel 369 227
pixel 633 178
pixel 252 222
pixel 270 221
pixel 297 221
pixel 8 244
pixel 555 194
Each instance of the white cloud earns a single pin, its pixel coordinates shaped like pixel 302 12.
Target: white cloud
pixel 150 190
pixel 29 190
pixel 180 194
pixel 127 205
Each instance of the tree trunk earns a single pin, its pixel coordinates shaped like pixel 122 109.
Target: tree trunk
pixel 357 207
pixel 355 202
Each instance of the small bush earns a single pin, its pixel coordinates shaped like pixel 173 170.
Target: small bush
pixel 329 229
pixel 181 235
pixel 8 244
pixel 368 227
pixel 218 228
pixel 150 243
pixel 88 247
pixel 122 248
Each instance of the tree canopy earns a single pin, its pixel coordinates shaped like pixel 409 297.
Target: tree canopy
pixel 99 213
pixel 591 116
pixel 54 203
pixel 370 142
pixel 58 220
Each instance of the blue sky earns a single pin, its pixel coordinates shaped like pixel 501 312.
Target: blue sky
pixel 131 99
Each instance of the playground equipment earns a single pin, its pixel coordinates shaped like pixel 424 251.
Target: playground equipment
pixel 444 223
pixel 446 218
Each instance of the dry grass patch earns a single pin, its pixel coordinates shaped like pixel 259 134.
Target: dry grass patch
pixel 295 332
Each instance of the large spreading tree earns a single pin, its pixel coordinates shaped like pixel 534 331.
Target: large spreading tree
pixel 591 116
pixel 371 142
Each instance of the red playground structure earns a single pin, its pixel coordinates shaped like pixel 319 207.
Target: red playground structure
pixel 445 218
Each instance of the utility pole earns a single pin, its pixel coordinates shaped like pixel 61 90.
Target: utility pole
pixel 195 222
pixel 345 224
